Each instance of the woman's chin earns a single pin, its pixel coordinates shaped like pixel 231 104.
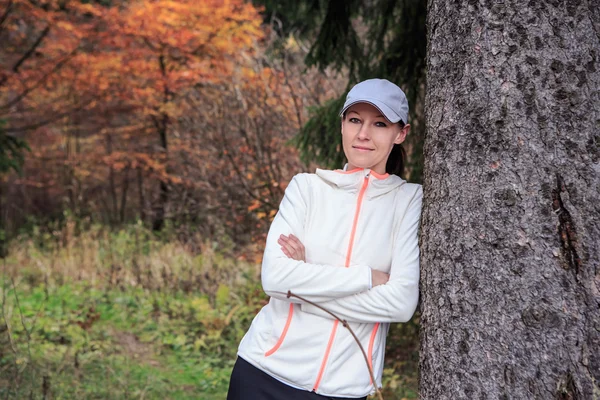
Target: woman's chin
pixel 360 162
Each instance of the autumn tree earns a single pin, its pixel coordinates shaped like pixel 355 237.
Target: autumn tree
pixel 511 220
pixel 191 97
pixel 104 76
pixel 165 49
pixel 248 128
pixel 38 41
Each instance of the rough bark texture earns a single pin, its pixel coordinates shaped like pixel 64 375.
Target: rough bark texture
pixel 510 290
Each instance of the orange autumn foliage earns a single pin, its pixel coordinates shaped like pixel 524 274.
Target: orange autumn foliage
pixel 115 100
pixel 157 51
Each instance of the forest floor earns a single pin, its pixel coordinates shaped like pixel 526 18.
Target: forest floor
pixel 83 343
pixel 68 336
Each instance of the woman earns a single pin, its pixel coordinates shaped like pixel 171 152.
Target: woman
pixel 347 241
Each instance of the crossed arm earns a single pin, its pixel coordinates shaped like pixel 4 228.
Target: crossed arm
pixel 314 282
pixel 343 291
pixel 293 248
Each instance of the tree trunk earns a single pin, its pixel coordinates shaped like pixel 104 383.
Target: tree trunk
pixel 163 198
pixel 3 230
pixel 112 185
pixel 142 200
pixel 510 289
pixel 124 189
pixel 162 125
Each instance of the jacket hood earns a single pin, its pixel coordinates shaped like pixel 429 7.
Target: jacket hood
pixel 352 180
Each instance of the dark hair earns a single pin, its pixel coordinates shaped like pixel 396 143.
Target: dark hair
pixel 396 160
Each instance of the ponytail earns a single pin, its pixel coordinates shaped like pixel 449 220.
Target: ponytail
pixel 396 160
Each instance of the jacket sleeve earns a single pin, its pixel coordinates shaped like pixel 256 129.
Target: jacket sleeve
pixel 315 282
pixel 396 301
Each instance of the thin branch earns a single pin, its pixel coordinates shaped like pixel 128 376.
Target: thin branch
pixel 6 12
pixel 4 313
pixel 202 46
pixel 29 52
pixel 347 326
pixel 292 93
pixel 58 66
pixel 54 117
pixel 149 43
pixel 225 145
pixel 27 332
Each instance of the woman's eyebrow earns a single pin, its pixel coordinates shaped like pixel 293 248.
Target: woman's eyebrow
pixel 357 113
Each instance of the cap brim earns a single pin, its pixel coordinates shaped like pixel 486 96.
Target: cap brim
pixel 387 112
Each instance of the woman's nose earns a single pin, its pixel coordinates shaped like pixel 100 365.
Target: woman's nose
pixel 363 133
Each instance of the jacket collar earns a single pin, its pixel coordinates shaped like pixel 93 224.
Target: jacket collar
pixel 353 180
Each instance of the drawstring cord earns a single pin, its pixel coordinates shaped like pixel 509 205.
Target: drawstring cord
pixel 347 326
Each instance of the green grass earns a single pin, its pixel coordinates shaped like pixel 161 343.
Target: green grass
pixel 91 343
pixel 122 315
pixel 87 343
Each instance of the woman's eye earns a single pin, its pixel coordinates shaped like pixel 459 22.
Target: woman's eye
pixel 380 124
pixel 354 120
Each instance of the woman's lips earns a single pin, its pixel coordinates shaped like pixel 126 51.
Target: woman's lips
pixel 362 148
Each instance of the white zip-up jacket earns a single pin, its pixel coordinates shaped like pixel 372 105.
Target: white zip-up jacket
pixel 349 222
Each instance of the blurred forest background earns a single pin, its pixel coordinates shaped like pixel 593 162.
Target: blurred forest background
pixel 144 149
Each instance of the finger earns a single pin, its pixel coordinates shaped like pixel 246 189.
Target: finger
pixel 295 244
pixel 295 248
pixel 297 241
pixel 289 248
pixel 299 248
pixel 285 241
pixel 290 254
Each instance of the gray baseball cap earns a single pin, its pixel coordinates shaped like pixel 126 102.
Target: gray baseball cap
pixel 382 94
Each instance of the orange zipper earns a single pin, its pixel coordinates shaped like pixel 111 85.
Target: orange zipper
pixel 361 194
pixel 283 333
pixel 326 356
pixel 371 342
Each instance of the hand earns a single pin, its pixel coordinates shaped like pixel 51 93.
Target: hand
pixel 292 247
pixel 379 278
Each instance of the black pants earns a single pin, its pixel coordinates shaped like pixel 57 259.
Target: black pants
pixel 250 383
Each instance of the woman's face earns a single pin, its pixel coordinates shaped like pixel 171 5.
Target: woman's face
pixel 368 137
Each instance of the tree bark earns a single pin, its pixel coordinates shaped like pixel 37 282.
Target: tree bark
pixel 124 189
pixel 3 230
pixel 162 125
pixel 510 289
pixel 112 185
pixel 141 197
pixel 163 198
